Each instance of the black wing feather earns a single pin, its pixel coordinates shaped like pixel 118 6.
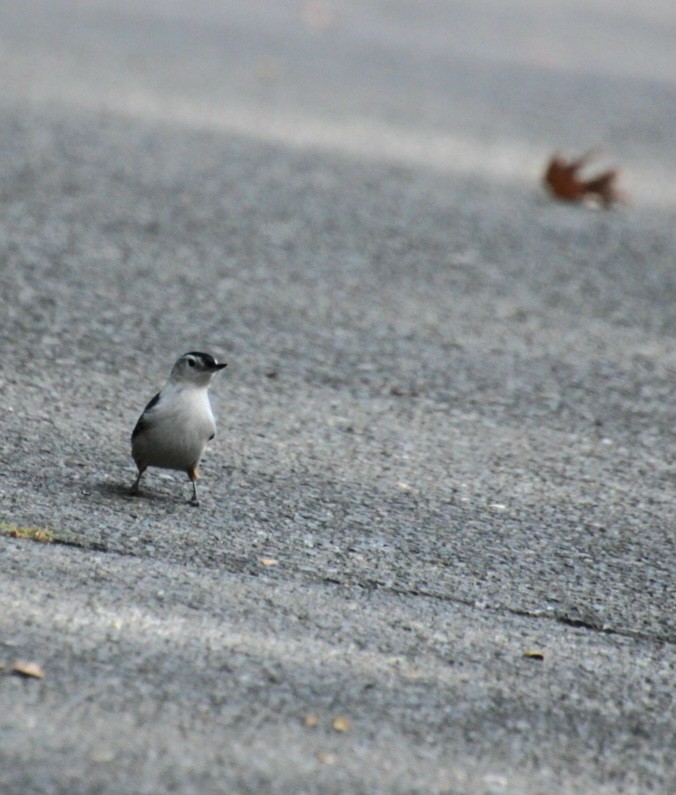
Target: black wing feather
pixel 143 423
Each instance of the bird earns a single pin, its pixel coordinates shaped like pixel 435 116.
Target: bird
pixel 177 424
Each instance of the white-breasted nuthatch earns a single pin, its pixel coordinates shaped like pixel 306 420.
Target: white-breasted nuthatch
pixel 177 424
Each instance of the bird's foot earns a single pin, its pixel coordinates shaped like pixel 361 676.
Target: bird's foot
pixel 194 503
pixel 136 485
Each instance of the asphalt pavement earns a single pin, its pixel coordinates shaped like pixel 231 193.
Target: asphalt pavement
pixel 436 546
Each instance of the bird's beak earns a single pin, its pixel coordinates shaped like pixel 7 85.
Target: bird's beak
pixel 217 367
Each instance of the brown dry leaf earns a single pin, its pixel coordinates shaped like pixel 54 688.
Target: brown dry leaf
pixel 26 668
pixel 269 561
pixel 340 724
pixel 311 721
pixel 563 180
pixel 534 654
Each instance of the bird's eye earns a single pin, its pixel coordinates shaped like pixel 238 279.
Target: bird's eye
pixel 191 362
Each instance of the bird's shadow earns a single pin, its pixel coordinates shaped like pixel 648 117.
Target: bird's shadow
pixel 117 489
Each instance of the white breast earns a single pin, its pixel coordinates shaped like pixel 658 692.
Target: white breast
pixel 178 430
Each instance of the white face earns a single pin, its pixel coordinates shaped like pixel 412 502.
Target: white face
pixel 197 368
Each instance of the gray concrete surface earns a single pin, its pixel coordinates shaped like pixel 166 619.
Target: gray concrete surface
pixel 448 416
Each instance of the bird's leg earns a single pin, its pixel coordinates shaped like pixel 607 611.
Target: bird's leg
pixel 193 474
pixel 135 487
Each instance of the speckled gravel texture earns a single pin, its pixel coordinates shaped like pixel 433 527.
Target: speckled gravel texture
pixel 447 431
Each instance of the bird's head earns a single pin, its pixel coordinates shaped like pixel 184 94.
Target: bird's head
pixel 195 368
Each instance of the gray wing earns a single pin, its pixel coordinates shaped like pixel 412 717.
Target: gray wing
pixel 144 421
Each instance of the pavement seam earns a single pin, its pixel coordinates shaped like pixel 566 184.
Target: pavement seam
pixel 577 623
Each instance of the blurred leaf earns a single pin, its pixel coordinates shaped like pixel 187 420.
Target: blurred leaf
pixel 39 534
pixel 340 724
pixel 26 668
pixel 534 654
pixel 562 178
